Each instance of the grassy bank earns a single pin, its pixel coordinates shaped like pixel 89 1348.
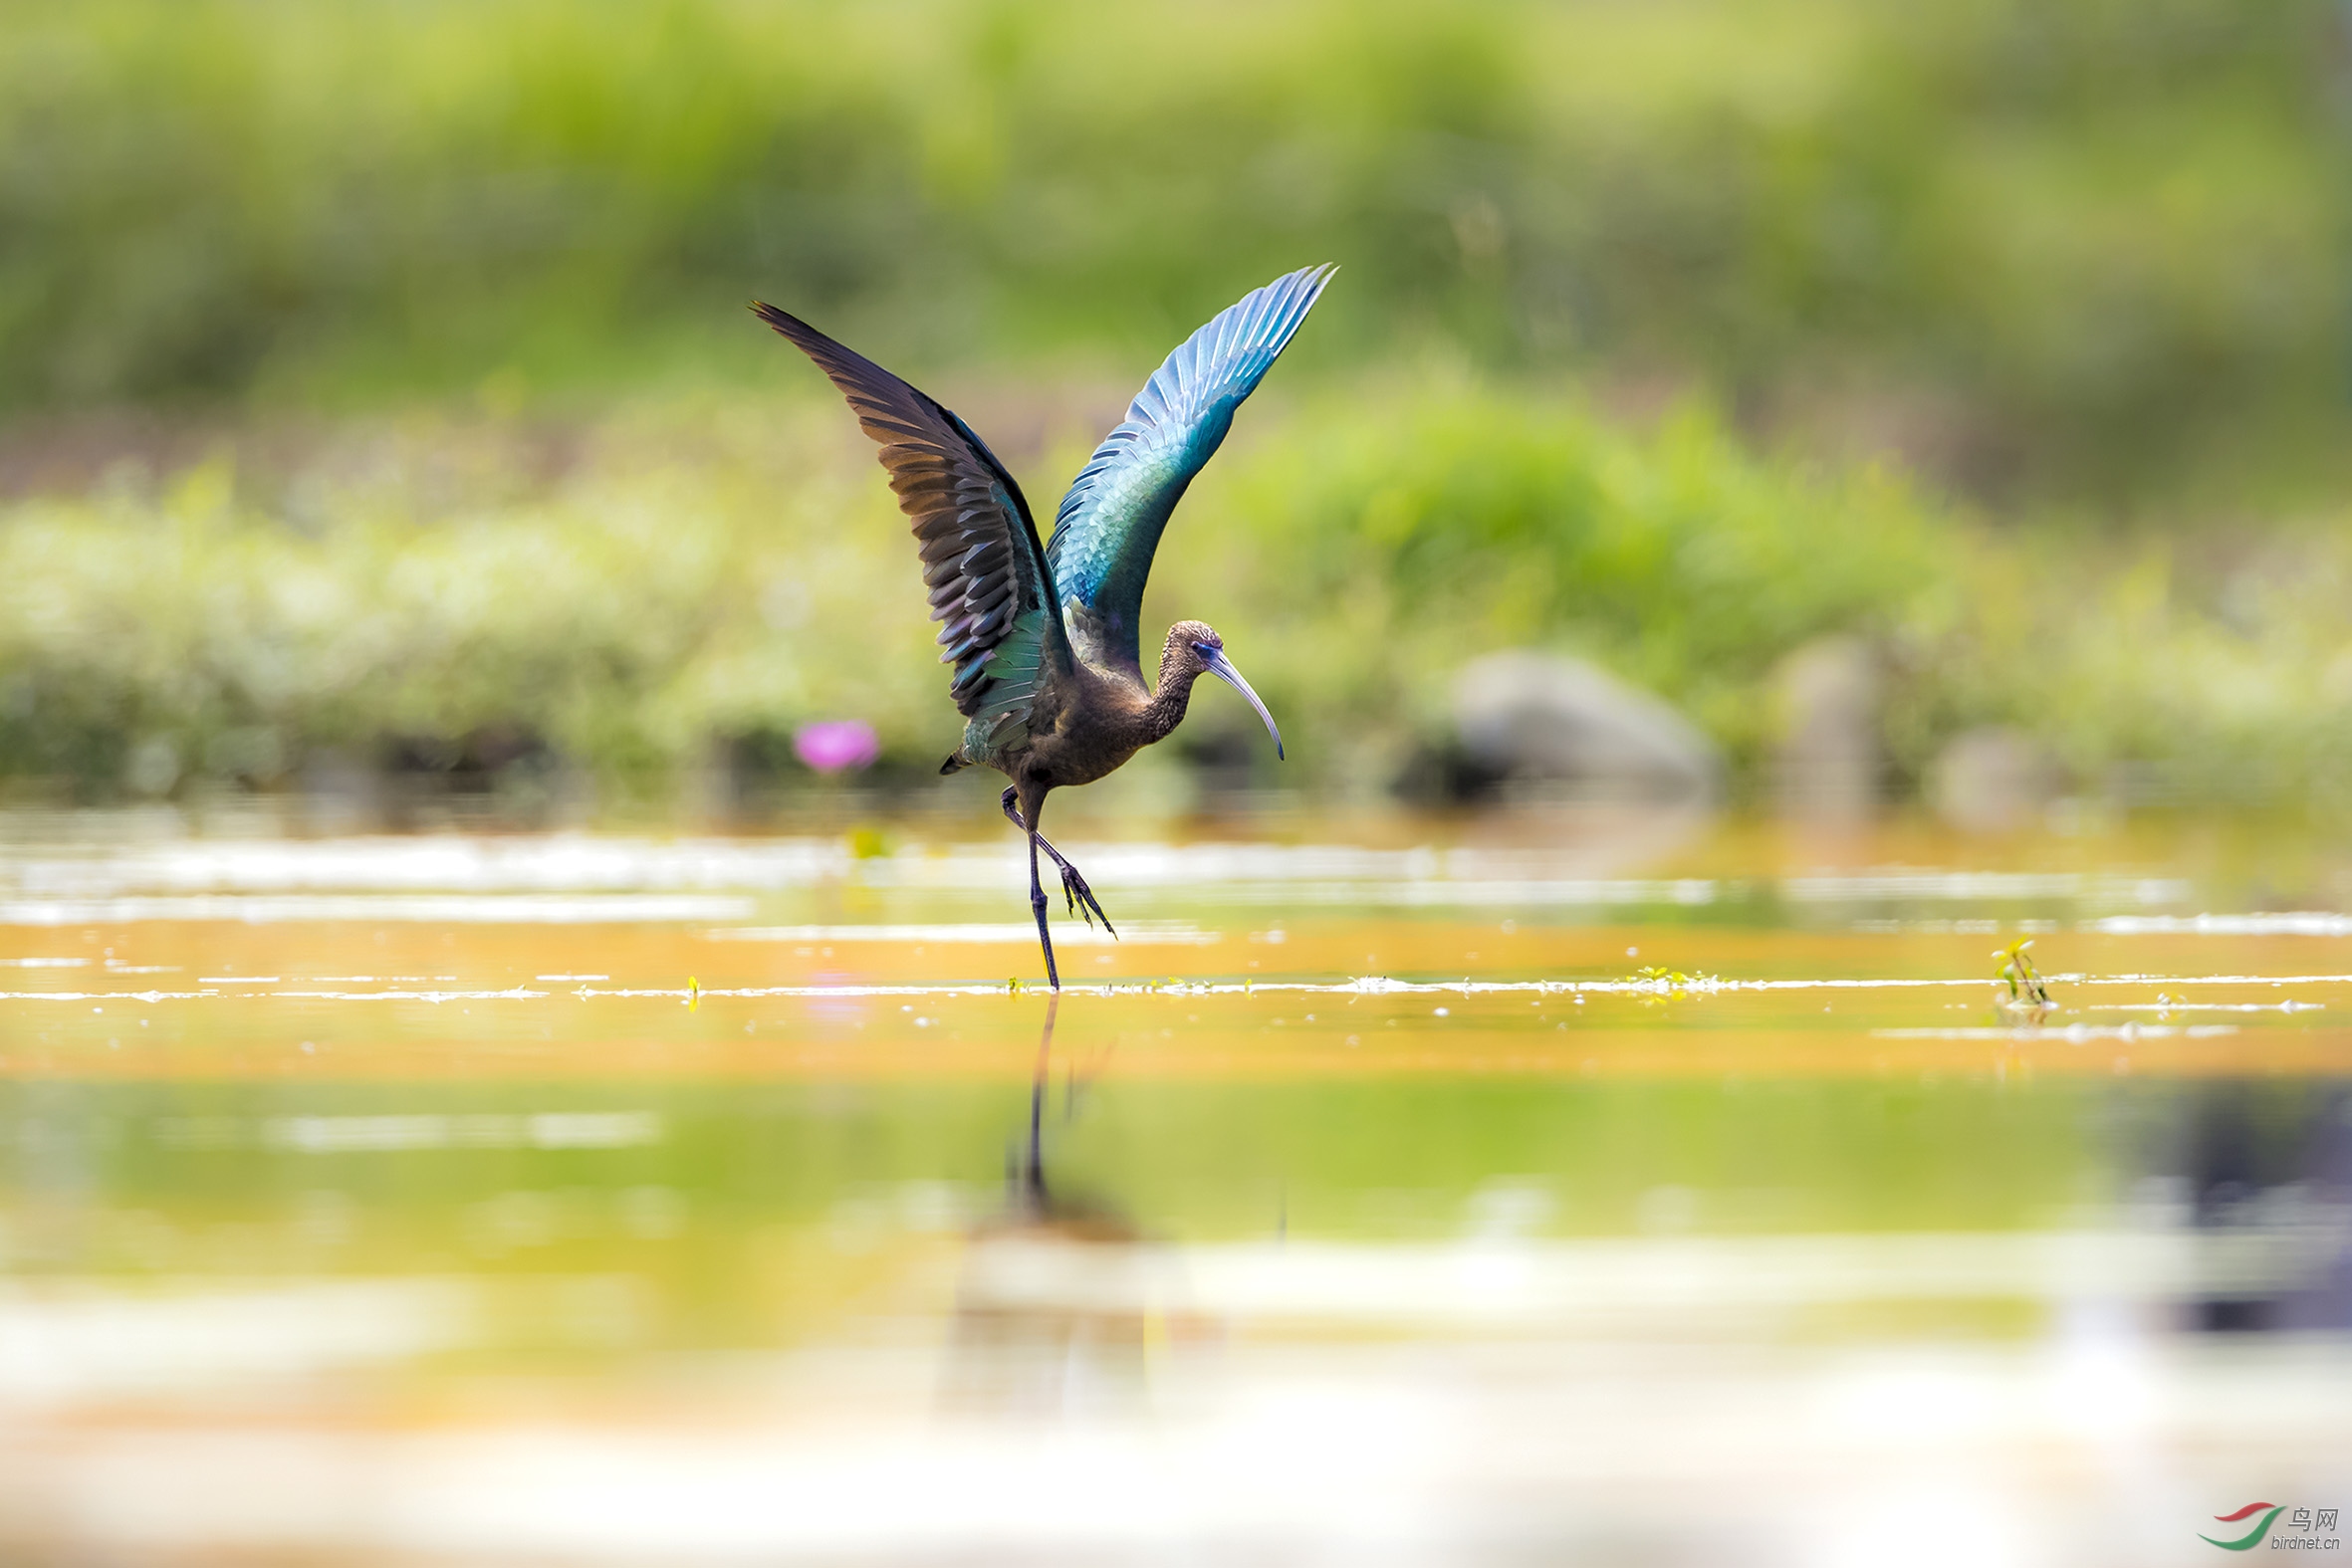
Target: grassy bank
pixel 635 597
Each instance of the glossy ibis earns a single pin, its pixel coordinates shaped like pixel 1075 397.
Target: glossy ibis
pixel 1048 673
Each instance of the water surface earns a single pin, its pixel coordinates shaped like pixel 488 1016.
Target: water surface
pixel 658 1199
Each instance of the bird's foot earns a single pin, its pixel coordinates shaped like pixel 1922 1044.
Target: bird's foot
pixel 1080 898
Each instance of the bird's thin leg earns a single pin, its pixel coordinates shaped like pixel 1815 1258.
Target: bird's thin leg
pixel 1037 902
pixel 1074 890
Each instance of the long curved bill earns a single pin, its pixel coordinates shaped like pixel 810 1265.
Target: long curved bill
pixel 1222 667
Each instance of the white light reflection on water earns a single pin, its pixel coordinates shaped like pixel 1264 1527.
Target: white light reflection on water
pixel 1648 1285
pixel 2297 923
pixel 1909 885
pixel 570 909
pixel 2071 1033
pixel 540 1130
pixel 50 876
pixel 1142 933
pixel 67 1343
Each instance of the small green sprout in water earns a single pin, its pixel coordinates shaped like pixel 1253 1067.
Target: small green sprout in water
pixel 2019 989
pixel 693 995
pixel 2025 982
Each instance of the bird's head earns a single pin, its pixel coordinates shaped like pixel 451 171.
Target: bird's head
pixel 1195 649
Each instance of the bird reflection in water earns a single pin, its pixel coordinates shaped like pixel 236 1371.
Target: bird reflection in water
pixel 1064 1306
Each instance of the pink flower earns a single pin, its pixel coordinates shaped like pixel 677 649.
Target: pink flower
pixel 837 743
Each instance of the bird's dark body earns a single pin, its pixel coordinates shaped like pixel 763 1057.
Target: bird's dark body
pixel 1043 637
pixel 1088 727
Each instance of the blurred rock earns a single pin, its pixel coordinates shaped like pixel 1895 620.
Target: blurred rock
pixel 1828 763
pixel 1991 780
pixel 339 792
pixel 152 767
pixel 1537 718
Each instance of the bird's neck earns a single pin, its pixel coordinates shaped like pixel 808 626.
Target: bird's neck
pixel 1174 694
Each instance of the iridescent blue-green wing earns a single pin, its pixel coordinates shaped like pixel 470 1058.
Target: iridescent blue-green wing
pixel 988 575
pixel 1110 525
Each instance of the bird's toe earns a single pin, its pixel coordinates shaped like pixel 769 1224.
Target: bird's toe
pixel 1074 888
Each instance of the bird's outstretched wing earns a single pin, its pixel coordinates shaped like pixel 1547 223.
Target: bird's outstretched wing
pixel 1110 525
pixel 986 573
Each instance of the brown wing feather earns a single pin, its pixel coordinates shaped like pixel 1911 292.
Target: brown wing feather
pixel 981 560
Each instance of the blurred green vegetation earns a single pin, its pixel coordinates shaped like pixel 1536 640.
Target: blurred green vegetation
pixel 1384 542
pixel 2075 242
pixel 1675 337
pixel 672 590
